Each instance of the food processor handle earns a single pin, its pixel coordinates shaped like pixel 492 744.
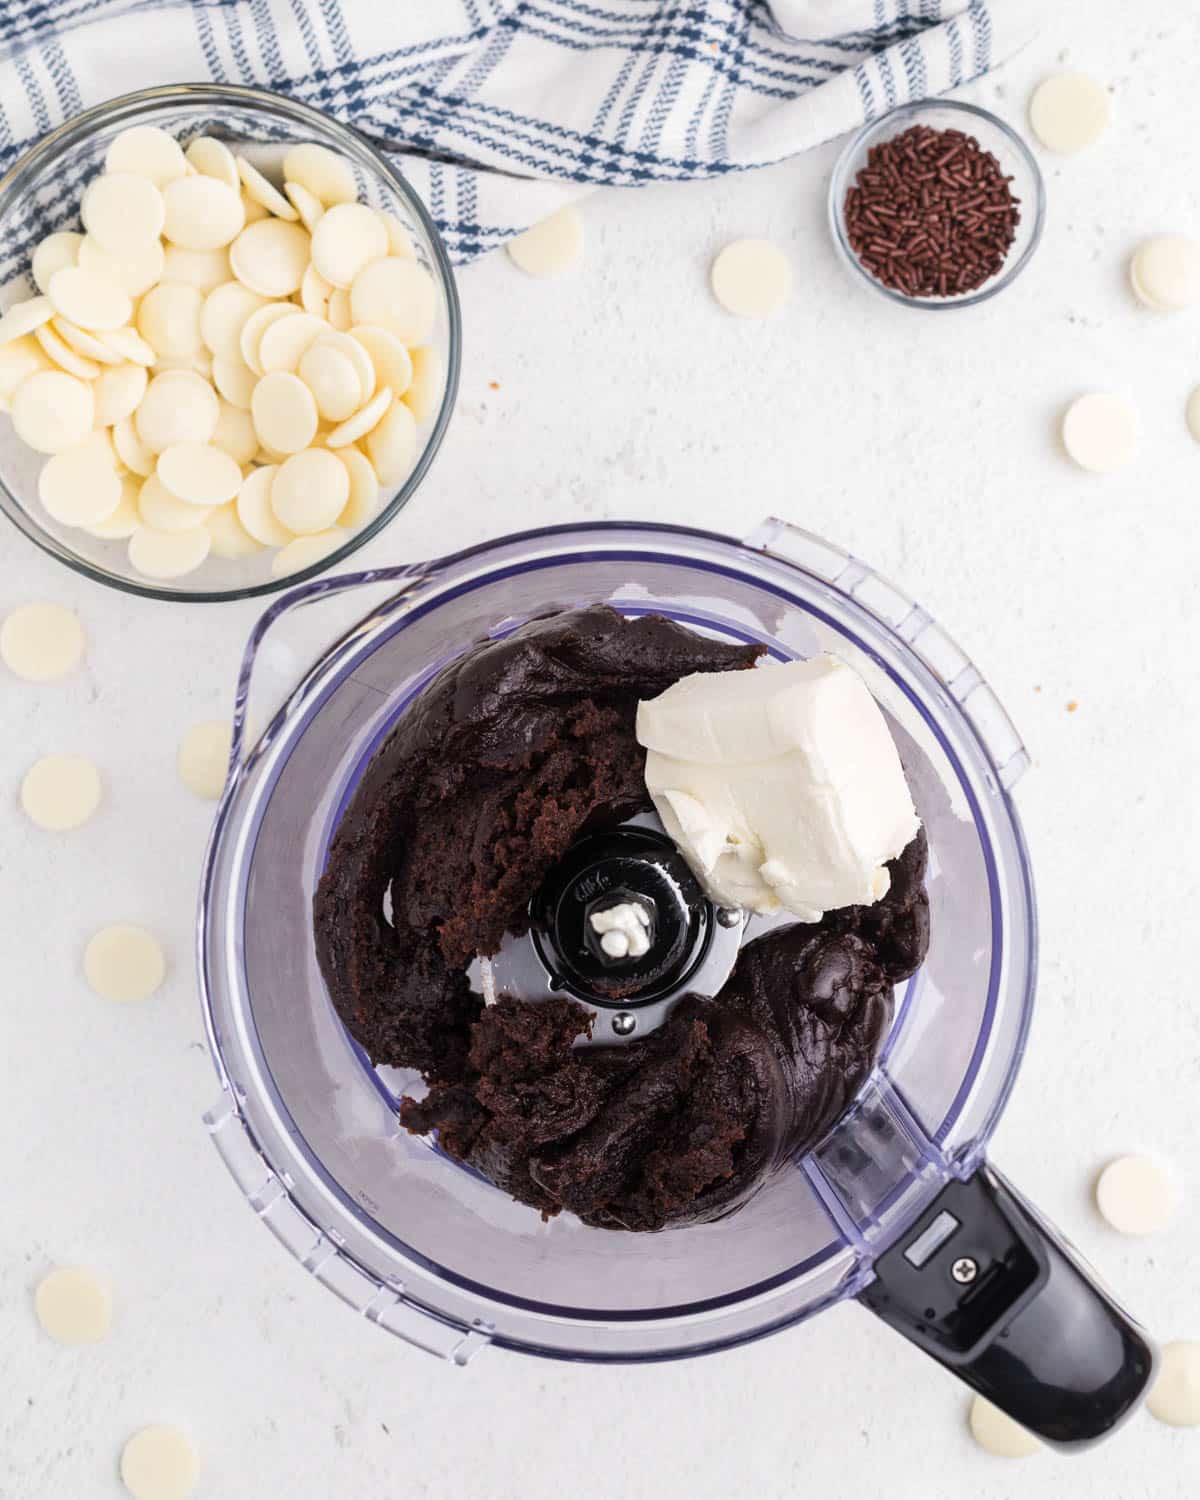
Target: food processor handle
pixel 294 634
pixel 988 1288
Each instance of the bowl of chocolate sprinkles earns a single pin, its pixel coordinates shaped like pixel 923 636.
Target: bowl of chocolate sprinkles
pixel 937 205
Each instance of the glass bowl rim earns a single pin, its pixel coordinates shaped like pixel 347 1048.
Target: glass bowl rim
pixel 127 108
pixel 837 197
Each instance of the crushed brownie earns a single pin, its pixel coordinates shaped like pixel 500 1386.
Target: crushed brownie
pixel 505 759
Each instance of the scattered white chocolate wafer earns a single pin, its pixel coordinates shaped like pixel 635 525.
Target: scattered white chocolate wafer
pixel 1136 1195
pixel 73 1306
pixel 1192 414
pixel 550 247
pixel 123 963
pixel 41 641
pixel 203 758
pixel 997 1433
pixel 751 278
pixel 1069 111
pixel 1175 1395
pixel 159 1463
pixel 60 792
pixel 1165 272
pixel 1099 432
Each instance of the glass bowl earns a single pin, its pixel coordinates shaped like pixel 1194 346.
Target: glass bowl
pixel 42 192
pixel 1016 161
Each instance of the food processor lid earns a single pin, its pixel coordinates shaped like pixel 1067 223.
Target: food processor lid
pixel 417 1243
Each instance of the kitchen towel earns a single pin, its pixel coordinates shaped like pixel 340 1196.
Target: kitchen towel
pixel 500 111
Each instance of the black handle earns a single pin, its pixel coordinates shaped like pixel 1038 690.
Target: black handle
pixel 991 1291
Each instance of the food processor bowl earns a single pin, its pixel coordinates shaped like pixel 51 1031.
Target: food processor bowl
pixel 897 1206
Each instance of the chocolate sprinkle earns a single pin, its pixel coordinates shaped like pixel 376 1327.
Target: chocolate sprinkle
pixel 931 214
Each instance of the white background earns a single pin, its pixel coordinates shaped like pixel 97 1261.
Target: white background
pixel 926 444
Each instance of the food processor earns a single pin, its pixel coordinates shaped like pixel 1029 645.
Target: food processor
pixel 897 1207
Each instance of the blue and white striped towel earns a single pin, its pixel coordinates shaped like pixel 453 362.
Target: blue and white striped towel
pixel 499 111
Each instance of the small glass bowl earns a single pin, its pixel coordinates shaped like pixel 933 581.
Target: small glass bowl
pixel 1016 161
pixel 42 192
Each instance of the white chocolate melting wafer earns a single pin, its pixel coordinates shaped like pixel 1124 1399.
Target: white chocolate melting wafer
pixel 1069 111
pixel 751 278
pixel 41 641
pixel 60 792
pixel 73 1306
pixel 159 1463
pixel 1099 432
pixel 997 1433
pixel 550 247
pixel 148 152
pixel 1136 1195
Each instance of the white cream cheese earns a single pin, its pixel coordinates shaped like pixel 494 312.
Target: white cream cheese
pixel 623 930
pixel 781 785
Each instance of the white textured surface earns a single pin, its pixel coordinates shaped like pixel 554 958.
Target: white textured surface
pixel 927 445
